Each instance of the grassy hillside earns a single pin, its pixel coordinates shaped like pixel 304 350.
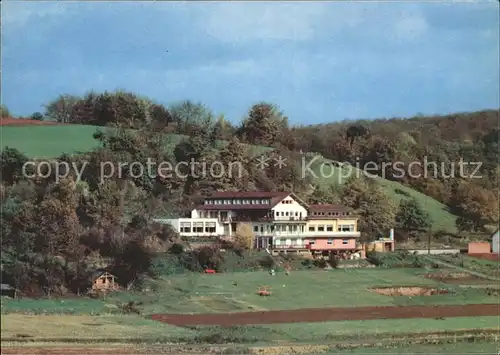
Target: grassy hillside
pixel 52 141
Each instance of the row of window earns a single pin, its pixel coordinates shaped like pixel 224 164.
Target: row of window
pixel 197 227
pixel 329 228
pixel 254 201
pixel 296 228
pixel 278 228
pixel 277 241
pixel 335 214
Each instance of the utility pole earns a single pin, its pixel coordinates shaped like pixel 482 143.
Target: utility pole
pixel 429 240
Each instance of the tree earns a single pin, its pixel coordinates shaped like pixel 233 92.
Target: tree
pixel 62 108
pixel 356 131
pixel 263 124
pixel 475 206
pixel 37 116
pixel 223 130
pixel 11 165
pixel 412 217
pixel 4 111
pixel 375 209
pixel 244 236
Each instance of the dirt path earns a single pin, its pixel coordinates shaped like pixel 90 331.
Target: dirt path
pixel 330 314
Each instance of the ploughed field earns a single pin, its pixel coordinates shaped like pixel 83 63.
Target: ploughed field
pixel 330 314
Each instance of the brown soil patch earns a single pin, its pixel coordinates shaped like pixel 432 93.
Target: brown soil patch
pixel 330 314
pixel 490 257
pixel 457 278
pixel 6 121
pixel 409 291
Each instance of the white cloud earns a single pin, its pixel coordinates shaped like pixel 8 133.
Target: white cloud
pixel 18 14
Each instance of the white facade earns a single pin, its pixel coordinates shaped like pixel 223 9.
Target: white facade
pixel 191 227
pixel 285 221
pixel 288 210
pixel 495 243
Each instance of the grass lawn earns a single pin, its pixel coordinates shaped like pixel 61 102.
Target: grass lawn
pixel 84 328
pixel 326 176
pixel 487 267
pixel 236 292
pixel 482 347
pixel 128 328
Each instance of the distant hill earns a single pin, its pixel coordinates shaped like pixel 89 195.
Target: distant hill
pixel 45 141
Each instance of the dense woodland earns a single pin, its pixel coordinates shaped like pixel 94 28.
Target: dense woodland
pixel 55 234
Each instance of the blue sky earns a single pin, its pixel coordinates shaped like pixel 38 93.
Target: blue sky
pixel 320 62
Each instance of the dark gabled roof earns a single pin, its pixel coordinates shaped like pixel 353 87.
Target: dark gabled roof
pixel 328 207
pixel 275 197
pixel 99 273
pixel 249 194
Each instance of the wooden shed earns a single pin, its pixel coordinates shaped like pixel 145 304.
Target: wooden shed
pixel 8 290
pixel 103 281
pixel 495 242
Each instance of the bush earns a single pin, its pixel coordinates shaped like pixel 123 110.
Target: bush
pixel 267 262
pixel 321 263
pixel 334 261
pixel 166 265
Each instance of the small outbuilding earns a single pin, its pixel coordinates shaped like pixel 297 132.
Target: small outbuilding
pixel 8 290
pixel 495 242
pixel 104 281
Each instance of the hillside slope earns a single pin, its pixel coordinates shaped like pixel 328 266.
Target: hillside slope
pixel 51 141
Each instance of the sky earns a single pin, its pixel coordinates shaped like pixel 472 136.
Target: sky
pixel 318 61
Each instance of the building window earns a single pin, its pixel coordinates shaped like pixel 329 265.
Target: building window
pixel 321 228
pixel 312 228
pixel 277 241
pixel 312 242
pixel 210 227
pixel 261 228
pixel 329 228
pixel 255 228
pixel 237 202
pixel 286 214
pixel 345 228
pixel 345 241
pixel 330 241
pixel 198 227
pixel 294 228
pixel 185 227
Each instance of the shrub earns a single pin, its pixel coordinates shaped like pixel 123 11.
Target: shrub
pixel 334 261
pixel 321 263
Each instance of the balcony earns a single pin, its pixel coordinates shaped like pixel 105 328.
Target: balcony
pixel 290 246
pixel 288 219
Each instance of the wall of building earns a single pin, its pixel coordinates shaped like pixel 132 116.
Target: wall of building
pixel 479 248
pixel 334 225
pixel 495 244
pixel 332 243
pixel 289 208
pixel 180 223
